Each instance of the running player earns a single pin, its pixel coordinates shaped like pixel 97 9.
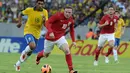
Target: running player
pixel 118 33
pixel 56 26
pixel 107 25
pixel 36 18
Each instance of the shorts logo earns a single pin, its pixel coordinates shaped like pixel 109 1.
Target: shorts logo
pixel 29 39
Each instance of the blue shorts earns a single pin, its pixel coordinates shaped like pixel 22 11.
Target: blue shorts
pixel 117 42
pixel 30 38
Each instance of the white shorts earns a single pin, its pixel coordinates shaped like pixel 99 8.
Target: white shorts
pixel 105 37
pixel 49 45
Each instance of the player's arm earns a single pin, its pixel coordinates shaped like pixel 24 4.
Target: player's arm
pixel 24 12
pixel 19 20
pixel 123 30
pixel 116 23
pixel 102 25
pixel 49 23
pixel 45 18
pixel 123 27
pixel 103 22
pixel 116 26
pixel 72 32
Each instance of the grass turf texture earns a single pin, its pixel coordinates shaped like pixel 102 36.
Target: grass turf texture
pixel 84 64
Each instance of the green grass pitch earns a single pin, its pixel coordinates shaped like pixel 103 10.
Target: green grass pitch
pixel 84 64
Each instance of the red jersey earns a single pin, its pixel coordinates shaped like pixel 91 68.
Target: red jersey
pixel 108 29
pixel 58 25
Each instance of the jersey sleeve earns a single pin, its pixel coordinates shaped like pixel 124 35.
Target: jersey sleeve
pixel 72 32
pixel 46 15
pixel 123 23
pixel 26 11
pixel 51 20
pixel 102 21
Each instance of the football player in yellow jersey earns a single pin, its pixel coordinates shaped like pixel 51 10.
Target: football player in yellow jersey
pixel 120 28
pixel 36 18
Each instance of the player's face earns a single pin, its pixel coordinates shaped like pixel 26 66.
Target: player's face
pixel 68 13
pixel 117 14
pixel 39 4
pixel 111 11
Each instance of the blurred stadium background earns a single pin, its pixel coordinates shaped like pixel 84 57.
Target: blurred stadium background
pixel 87 14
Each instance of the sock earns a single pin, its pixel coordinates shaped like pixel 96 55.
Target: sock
pixel 97 54
pixel 109 52
pixel 18 63
pixel 40 55
pixel 22 59
pixel 69 62
pixel 27 49
pixel 24 55
pixel 115 54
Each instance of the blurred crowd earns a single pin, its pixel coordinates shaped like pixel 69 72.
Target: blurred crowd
pixel 9 9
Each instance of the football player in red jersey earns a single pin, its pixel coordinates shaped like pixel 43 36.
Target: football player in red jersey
pixel 56 27
pixel 107 25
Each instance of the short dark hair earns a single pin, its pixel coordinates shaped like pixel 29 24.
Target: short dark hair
pixel 39 0
pixel 68 7
pixel 117 11
pixel 90 29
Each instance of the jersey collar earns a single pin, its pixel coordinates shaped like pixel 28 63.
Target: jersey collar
pixel 34 8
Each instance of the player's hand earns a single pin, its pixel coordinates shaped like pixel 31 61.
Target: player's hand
pixel 52 35
pixel 106 23
pixel 19 25
pixel 43 18
pixel 74 44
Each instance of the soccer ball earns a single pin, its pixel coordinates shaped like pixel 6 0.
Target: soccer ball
pixel 46 68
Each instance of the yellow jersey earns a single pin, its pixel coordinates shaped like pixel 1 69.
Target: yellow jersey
pixel 119 28
pixel 34 22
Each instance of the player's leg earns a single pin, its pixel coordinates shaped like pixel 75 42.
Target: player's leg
pixel 48 47
pixel 111 41
pixel 101 42
pixel 32 42
pixel 63 45
pixel 117 42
